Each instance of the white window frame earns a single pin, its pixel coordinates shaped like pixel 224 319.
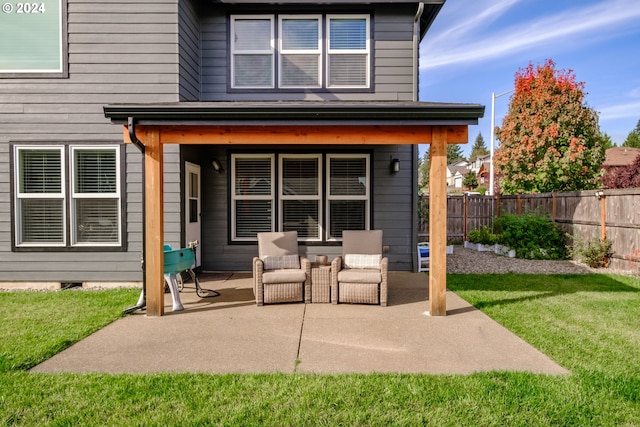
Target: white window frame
pixel 282 196
pixel 235 52
pixel 235 197
pixel 366 51
pixel 19 196
pixel 291 52
pixel 114 195
pixel 366 197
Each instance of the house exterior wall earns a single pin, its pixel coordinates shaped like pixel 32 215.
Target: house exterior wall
pixel 393 207
pixel 170 51
pixel 393 78
pixel 116 54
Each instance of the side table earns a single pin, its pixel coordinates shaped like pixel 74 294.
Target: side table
pixel 320 283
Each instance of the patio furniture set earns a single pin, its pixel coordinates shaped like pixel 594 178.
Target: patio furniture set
pixel 359 275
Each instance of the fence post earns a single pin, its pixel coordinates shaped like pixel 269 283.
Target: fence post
pixel 553 206
pixel 464 217
pixel 497 209
pixel 603 215
pixel 519 204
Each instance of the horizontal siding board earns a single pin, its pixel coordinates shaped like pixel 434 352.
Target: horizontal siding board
pixel 106 28
pixel 123 18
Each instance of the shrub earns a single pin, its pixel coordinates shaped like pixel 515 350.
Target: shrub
pixel 595 253
pixel 532 236
pixel 481 189
pixel 482 235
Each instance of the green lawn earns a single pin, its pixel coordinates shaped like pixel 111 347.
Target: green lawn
pixel 589 324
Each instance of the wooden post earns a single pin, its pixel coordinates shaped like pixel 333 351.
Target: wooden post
pixel 438 223
pixel 603 216
pixel 154 223
pixel 497 209
pixel 554 206
pixel 465 201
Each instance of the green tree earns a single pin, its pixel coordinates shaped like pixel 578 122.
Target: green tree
pixel 479 148
pixel 550 139
pixel 454 153
pixel 607 142
pixel 633 139
pixel 470 180
pixel 423 170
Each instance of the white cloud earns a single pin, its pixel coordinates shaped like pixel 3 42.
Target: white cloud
pixel 620 111
pixel 467 42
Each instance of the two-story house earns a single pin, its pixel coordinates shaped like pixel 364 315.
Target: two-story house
pixel 245 116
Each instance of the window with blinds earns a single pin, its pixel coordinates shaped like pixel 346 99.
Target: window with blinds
pixel 252 52
pixel 303 203
pixel 300 192
pixel 252 195
pixel 40 208
pixel 348 193
pixel 302 56
pixel 348 52
pixel 92 197
pixel 95 198
pixel 300 51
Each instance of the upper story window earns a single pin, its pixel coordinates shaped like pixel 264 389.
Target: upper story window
pixel 33 39
pixel 300 51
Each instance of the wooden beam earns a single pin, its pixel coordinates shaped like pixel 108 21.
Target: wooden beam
pixel 154 223
pixel 438 223
pixel 300 135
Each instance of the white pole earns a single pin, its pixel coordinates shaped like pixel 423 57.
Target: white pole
pixel 493 125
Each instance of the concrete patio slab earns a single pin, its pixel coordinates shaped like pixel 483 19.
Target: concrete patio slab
pixel 230 334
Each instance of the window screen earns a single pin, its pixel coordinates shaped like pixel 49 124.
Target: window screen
pixel 40 196
pixel 348 59
pixel 96 200
pixel 252 195
pixel 252 52
pixel 300 52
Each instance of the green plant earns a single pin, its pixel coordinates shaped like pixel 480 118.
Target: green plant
pixel 481 189
pixel 595 252
pixel 532 236
pixel 482 235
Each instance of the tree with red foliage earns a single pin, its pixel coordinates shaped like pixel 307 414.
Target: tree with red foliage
pixel 550 139
pixel 626 177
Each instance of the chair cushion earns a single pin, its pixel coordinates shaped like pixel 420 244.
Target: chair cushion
pixel 362 261
pixel 281 262
pixel 277 243
pixel 361 242
pixel 284 276
pixel 360 275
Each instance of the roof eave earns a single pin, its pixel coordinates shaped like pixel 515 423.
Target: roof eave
pixel 312 113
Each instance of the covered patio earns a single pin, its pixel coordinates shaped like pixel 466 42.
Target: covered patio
pixel 229 334
pixel 151 126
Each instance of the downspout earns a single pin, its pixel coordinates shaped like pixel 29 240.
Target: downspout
pixel 416 49
pixel 416 152
pixel 142 301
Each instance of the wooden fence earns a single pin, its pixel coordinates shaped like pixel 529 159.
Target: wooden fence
pixel 607 213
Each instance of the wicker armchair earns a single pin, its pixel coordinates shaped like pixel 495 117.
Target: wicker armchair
pixel 360 274
pixel 279 274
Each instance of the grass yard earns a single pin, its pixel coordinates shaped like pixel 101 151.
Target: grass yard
pixel 589 324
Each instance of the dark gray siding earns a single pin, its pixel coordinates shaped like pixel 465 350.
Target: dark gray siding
pixel 189 51
pixel 393 209
pixel 118 53
pixel 393 62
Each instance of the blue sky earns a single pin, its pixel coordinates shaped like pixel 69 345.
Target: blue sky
pixel 475 47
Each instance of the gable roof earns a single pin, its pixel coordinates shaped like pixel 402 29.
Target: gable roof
pixel 620 156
